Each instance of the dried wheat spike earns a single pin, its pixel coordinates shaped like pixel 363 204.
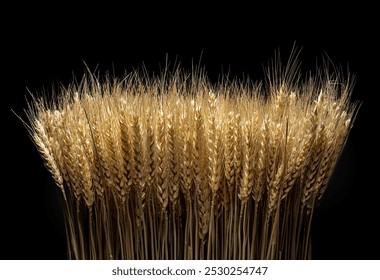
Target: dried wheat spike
pixel 43 145
pixel 247 180
pixel 162 182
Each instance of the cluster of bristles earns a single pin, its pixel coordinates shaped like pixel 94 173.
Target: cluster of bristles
pixel 177 168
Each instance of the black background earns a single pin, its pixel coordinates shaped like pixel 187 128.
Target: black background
pixel 42 46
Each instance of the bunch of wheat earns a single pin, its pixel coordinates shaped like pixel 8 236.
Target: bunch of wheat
pixel 175 167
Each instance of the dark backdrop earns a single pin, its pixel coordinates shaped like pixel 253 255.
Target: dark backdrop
pixel 44 45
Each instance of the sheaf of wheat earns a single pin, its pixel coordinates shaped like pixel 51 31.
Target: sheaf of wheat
pixel 177 167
